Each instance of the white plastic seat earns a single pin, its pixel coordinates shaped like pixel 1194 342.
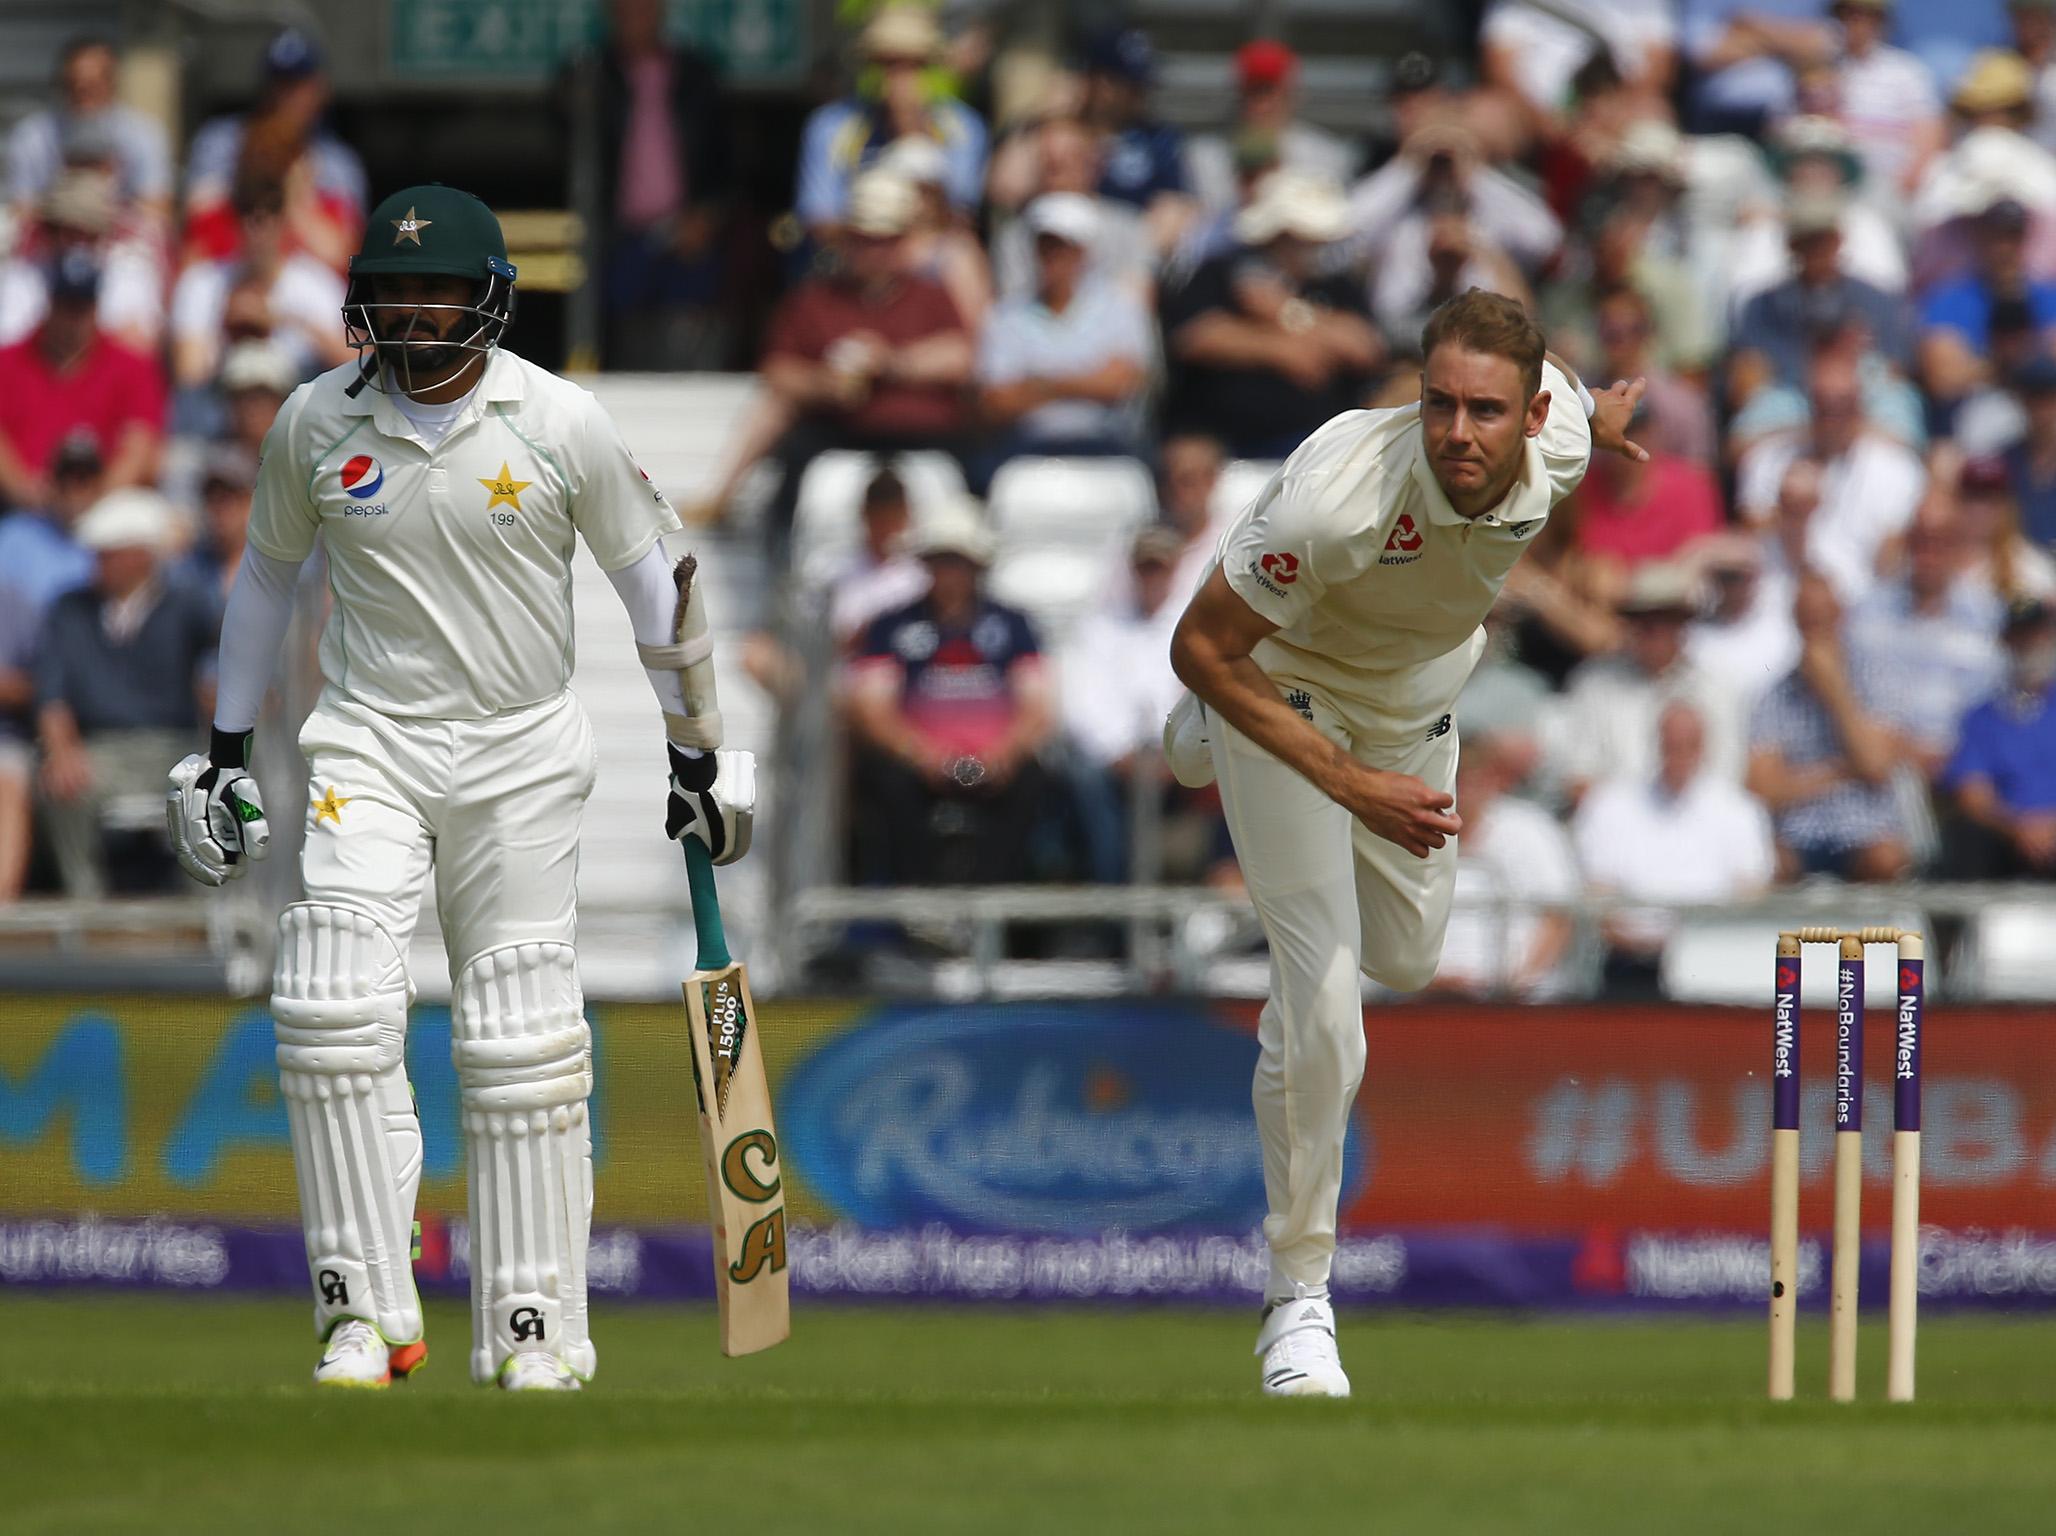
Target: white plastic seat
pixel 1093 502
pixel 1053 585
pixel 2014 944
pixel 828 521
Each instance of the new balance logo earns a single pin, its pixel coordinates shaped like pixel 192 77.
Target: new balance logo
pixel 1439 728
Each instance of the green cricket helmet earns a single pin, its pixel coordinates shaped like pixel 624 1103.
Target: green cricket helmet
pixel 430 230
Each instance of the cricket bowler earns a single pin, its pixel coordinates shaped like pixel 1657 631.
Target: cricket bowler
pixel 446 478
pixel 1324 652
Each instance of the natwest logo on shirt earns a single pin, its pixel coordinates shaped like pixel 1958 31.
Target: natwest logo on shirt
pixel 1281 567
pixel 1404 546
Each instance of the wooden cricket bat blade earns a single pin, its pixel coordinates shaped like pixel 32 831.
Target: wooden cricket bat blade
pixel 745 1188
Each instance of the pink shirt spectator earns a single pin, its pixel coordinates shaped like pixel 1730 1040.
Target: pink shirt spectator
pixel 652 180
pixel 1638 512
pixel 107 390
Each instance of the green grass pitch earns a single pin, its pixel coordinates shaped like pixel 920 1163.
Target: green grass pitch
pixel 131 1413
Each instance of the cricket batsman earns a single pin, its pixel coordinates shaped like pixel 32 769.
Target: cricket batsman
pixel 1324 652
pixel 447 478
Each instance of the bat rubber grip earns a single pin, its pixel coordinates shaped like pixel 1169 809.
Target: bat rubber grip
pixel 706 906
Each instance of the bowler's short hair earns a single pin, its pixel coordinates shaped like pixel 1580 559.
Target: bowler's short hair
pixel 1490 323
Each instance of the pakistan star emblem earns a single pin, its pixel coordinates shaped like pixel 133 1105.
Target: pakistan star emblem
pixel 330 807
pixel 505 489
pixel 409 228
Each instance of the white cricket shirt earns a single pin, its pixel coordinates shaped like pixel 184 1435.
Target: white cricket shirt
pixel 1378 585
pixel 450 562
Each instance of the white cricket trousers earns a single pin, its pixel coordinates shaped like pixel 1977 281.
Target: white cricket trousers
pixel 492 806
pixel 1333 899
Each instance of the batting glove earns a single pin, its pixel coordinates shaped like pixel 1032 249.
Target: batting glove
pixel 713 798
pixel 214 813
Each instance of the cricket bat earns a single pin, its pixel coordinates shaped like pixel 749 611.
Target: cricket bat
pixel 745 1190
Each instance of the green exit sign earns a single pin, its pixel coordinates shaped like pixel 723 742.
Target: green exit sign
pixel 758 42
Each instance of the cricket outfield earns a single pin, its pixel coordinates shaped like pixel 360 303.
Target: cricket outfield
pixel 144 1413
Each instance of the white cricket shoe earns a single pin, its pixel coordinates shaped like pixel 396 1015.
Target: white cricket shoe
pixel 537 1370
pixel 357 1355
pixel 1297 1343
pixel 1186 747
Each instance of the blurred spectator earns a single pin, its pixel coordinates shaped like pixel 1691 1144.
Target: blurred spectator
pixel 1623 249
pixel 1989 417
pixel 1746 634
pixel 1511 852
pixel 1452 259
pixel 869 356
pixel 1060 154
pixel 1679 418
pixel 1262 348
pixel 1266 108
pixel 122 685
pixel 1608 722
pixel 44 142
pixel 1143 159
pixel 1677 833
pixel 1534 52
pixel 1117 687
pixel 940 245
pixel 1441 168
pixel 1630 512
pixel 1992 158
pixel 1561 606
pixel 949 706
pixel 1822 757
pixel 898 47
pixel 1934 637
pixel 1508 700
pixel 1778 327
pixel 1063 373
pixel 2000 564
pixel 1893 407
pixel 2031 462
pixel 255 379
pixel 1868 484
pixel 1816 164
pixel 2003 776
pixel 41 558
pixel 78 214
pixel 1886 98
pixel 18 624
pixel 227 482
pixel 1743 54
pixel 664 183
pixel 283 138
pixel 265 291
pixel 1956 316
pixel 66 378
pixel 2034 39
pixel 881 575
pixel 1188 476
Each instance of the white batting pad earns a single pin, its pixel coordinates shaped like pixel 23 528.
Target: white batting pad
pixel 523 1054
pixel 339 1004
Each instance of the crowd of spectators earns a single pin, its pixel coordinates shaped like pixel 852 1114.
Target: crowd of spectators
pixel 1809 638
pixel 155 311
